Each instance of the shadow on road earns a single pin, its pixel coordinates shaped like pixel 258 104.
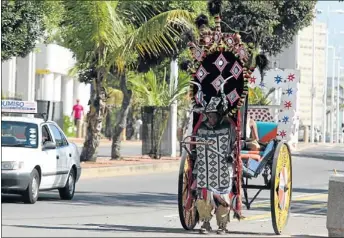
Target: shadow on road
pixel 310 190
pixel 307 236
pixel 105 199
pixel 325 155
pixel 128 228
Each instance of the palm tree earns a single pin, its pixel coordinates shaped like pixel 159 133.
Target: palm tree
pixel 109 36
pixel 256 96
pixel 152 91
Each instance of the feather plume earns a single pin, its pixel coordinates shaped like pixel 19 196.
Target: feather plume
pixel 185 65
pixel 201 20
pixel 262 63
pixel 214 7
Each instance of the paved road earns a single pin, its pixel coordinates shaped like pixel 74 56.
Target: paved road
pixel 146 205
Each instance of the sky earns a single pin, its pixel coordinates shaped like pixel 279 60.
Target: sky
pixel 335 24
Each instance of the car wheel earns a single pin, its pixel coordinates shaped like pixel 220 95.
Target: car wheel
pixel 67 193
pixel 31 193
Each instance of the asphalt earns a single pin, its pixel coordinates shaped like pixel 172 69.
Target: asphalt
pixel 146 205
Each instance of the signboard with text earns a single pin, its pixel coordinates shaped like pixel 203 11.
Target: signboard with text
pixel 18 106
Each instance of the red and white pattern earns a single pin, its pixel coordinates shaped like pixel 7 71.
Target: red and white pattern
pixel 217 82
pixel 282 195
pixel 233 96
pixel 197 53
pixel 221 62
pixel 201 73
pixel 230 41
pixel 260 114
pixel 236 70
pixel 242 53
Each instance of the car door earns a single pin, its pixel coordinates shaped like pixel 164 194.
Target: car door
pixel 61 156
pixel 47 160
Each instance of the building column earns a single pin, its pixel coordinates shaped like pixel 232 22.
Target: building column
pixel 57 87
pixel 46 87
pixel 26 77
pixel 8 75
pixel 67 95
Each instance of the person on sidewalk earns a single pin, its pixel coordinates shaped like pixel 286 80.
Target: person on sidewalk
pixel 78 112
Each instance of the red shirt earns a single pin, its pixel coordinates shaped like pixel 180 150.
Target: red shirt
pixel 77 108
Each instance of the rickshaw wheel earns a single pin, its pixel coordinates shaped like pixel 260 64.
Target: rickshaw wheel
pixel 281 187
pixel 189 218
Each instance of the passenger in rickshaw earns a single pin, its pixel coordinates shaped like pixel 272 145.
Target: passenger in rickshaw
pixel 210 197
pixel 252 139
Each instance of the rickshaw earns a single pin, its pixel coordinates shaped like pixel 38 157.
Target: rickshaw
pixel 221 70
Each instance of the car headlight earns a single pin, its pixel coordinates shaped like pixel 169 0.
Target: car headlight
pixel 11 165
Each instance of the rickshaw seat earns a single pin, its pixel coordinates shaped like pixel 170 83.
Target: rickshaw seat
pixel 267 131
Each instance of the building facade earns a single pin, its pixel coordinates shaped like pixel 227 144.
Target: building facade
pixel 43 76
pixel 299 55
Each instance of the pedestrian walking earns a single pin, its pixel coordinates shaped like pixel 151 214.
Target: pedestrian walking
pixel 77 113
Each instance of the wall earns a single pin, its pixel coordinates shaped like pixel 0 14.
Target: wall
pixel 43 75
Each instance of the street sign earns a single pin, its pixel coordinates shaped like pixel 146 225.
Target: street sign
pixel 18 106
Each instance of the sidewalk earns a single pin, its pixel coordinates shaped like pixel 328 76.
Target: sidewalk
pixel 104 167
pixel 102 142
pixel 135 165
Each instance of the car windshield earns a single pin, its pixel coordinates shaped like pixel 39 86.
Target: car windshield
pixel 19 134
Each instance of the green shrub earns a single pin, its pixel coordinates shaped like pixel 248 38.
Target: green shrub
pixel 68 127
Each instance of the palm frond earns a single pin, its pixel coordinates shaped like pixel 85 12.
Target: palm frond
pixel 159 33
pixel 157 92
pixel 137 12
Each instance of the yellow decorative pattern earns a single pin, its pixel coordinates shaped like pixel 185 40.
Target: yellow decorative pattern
pixel 283 162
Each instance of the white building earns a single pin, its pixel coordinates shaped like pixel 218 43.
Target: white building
pixel 43 76
pixel 299 56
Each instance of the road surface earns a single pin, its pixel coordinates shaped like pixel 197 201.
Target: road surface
pixel 146 205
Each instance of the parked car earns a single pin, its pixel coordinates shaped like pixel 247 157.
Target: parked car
pixel 36 156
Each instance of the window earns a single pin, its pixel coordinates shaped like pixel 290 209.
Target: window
pixel 59 137
pixel 19 134
pixel 46 137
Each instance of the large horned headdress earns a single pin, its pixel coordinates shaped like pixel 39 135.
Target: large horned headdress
pixel 220 68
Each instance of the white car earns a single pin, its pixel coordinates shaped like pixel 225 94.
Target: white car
pixel 37 156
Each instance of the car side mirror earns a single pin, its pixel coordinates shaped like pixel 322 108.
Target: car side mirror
pixel 49 145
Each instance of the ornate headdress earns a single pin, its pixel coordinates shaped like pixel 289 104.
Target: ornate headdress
pixel 220 60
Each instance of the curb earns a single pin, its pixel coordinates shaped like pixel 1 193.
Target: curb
pixel 125 170
pixel 140 169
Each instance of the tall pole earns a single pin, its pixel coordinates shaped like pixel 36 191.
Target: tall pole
pixel 332 93
pixel 325 90
pixel 313 81
pixel 338 79
pixel 173 111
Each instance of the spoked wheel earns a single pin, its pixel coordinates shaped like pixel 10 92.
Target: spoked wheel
pixel 281 187
pixel 187 211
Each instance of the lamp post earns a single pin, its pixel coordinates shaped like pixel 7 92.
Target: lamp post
pixel 332 92
pixel 338 11
pixel 338 97
pixel 342 121
pixel 316 11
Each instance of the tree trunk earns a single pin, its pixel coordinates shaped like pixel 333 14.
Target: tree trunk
pixel 94 122
pixel 121 122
